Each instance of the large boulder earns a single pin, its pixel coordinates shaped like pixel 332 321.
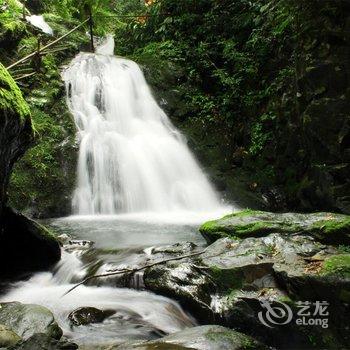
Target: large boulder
pixel 25 246
pixel 231 280
pixel 200 338
pixel 328 228
pixel 28 319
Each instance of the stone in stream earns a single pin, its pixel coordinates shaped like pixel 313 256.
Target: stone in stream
pixel 87 315
pixel 199 338
pixel 28 319
pixel 228 283
pixel 329 228
pixel 44 342
pixel 8 337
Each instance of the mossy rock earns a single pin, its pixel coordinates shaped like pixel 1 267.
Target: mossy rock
pixel 327 228
pixel 337 265
pixel 8 337
pixel 201 338
pixel 29 319
pixel 15 129
pixel 11 99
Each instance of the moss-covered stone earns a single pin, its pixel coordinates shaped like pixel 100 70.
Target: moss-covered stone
pixel 8 337
pixel 338 265
pixel 28 319
pixel 325 227
pixel 15 129
pixel 200 338
pixel 11 99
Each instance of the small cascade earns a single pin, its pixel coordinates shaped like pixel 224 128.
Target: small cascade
pixel 39 22
pixel 131 158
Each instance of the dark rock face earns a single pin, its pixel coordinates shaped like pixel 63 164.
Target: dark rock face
pixel 15 130
pixel 200 338
pixel 87 315
pixel 25 246
pixel 231 281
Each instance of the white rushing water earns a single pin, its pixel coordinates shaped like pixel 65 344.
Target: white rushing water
pixel 131 158
pixel 39 22
pixel 138 314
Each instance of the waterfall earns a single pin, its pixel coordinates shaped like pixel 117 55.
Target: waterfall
pixel 131 157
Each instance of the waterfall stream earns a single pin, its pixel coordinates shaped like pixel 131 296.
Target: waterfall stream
pixel 131 157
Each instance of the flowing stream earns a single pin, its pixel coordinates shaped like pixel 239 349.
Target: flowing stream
pixel 119 240
pixel 136 172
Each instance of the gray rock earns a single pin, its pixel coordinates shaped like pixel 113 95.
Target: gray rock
pixel 8 337
pixel 44 342
pixel 227 284
pixel 28 319
pixel 201 338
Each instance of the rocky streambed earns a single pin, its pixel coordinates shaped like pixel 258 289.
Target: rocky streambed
pixel 264 280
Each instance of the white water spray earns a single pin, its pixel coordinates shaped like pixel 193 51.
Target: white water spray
pixel 131 158
pixel 39 22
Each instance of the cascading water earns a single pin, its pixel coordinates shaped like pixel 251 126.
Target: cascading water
pixel 131 158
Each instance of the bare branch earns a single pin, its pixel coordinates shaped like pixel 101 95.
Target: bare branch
pixel 118 272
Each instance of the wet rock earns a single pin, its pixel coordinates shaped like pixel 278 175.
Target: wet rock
pixel 328 228
pixel 141 258
pixel 75 244
pixel 201 338
pixel 87 315
pixel 25 246
pixel 229 282
pixel 64 238
pixel 28 319
pixel 45 342
pixel 8 337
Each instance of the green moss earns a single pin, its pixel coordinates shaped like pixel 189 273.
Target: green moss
pixel 242 341
pixel 328 228
pixel 243 213
pixel 10 17
pixel 227 278
pixel 337 265
pixel 332 226
pixel 11 99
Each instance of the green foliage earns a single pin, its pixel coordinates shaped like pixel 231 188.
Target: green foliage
pixel 11 100
pixel 338 265
pixel 10 14
pixel 245 78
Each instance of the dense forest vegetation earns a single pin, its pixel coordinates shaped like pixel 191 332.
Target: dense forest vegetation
pixel 261 91
pixel 258 87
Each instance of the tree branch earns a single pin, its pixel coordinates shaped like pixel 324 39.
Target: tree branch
pixel 119 272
